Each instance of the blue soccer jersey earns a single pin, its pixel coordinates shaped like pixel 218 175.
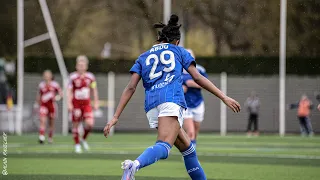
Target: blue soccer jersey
pixel 161 71
pixel 193 95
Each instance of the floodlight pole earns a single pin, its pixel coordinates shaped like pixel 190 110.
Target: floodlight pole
pixel 282 67
pixel 20 50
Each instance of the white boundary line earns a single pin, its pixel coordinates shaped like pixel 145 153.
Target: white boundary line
pixel 176 154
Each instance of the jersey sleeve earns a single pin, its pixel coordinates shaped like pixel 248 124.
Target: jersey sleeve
pixel 187 59
pixel 204 74
pixel 136 68
pixel 70 83
pixel 39 88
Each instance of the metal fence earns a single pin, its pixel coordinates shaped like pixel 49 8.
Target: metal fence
pixel 134 119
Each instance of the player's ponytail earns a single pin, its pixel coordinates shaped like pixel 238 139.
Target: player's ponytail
pixel 169 32
pixel 173 20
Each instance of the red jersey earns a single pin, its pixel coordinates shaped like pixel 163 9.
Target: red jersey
pixel 48 92
pixel 81 86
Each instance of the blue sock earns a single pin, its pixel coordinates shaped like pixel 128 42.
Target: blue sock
pixel 192 164
pixel 154 153
pixel 194 142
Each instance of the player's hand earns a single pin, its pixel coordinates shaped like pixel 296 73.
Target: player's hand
pixel 57 97
pixel 109 125
pixel 319 107
pixel 96 105
pixel 185 88
pixel 232 104
pixel 70 107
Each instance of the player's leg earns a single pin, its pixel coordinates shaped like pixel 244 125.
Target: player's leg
pixel 249 125
pixel 168 129
pixel 309 125
pixel 167 118
pixel 52 112
pixel 76 117
pixel 89 122
pixel 43 114
pixel 302 128
pixel 198 116
pixel 188 126
pixel 196 130
pixel 305 125
pixel 190 157
pixel 255 125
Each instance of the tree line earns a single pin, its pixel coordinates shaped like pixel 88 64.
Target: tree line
pixel 212 27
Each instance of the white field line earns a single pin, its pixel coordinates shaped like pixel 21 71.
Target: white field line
pixel 279 156
pixel 203 147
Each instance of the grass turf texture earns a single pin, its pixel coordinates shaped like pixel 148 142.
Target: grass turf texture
pixel 223 158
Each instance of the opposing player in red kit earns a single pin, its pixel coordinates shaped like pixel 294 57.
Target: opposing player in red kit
pixel 81 84
pixel 49 92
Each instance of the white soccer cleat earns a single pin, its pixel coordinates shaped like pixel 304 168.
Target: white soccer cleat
pixel 77 149
pixel 42 138
pixel 85 145
pixel 50 140
pixel 129 169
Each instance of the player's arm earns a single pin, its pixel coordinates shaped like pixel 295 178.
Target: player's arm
pixel 185 88
pixel 191 83
pixel 94 88
pixel 59 94
pixel 124 99
pixel 294 105
pixel 69 98
pixel 209 86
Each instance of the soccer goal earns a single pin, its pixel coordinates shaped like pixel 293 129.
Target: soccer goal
pixel 22 44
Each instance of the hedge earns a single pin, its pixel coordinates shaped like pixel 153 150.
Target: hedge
pixel 232 65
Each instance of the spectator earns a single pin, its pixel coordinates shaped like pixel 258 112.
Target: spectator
pixel 303 112
pixel 318 98
pixel 3 82
pixel 252 105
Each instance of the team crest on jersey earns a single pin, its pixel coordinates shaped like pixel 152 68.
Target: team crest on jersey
pixel 77 82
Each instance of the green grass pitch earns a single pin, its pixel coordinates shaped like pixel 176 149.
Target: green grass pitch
pixel 223 158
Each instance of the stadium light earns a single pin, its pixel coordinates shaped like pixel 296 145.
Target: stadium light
pixel 282 67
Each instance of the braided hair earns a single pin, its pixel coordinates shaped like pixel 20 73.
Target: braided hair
pixel 169 32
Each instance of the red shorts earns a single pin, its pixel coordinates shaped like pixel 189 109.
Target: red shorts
pixel 81 112
pixel 48 110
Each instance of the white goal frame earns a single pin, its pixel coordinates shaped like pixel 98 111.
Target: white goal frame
pixel 51 34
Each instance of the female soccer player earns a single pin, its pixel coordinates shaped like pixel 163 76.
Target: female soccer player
pixel 48 90
pixel 161 71
pixel 194 114
pixel 81 84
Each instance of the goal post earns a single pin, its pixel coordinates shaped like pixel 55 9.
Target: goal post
pixel 51 34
